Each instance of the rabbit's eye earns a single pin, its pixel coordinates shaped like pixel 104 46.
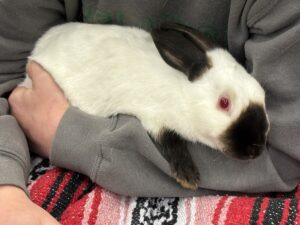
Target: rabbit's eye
pixel 224 103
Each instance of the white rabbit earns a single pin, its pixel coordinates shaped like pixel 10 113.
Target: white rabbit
pixel 179 85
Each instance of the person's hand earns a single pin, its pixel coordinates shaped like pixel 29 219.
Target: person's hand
pixel 17 209
pixel 39 109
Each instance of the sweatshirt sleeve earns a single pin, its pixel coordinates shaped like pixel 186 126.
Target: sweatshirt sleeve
pixel 115 152
pixel 118 154
pixel 22 23
pixel 14 154
pixel 273 56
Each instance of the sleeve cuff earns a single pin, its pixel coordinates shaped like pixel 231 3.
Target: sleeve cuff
pixel 14 154
pixel 12 173
pixel 76 145
pixel 3 106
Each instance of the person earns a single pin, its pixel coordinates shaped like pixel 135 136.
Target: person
pixel 117 152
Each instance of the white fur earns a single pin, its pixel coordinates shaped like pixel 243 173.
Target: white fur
pixel 108 69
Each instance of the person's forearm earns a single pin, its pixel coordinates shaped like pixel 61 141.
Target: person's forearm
pixel 273 53
pixel 14 154
pixel 118 154
pixel 22 23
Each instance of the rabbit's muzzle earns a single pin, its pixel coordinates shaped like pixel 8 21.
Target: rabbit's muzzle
pixel 246 137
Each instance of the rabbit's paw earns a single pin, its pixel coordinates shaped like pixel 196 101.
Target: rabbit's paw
pixel 186 175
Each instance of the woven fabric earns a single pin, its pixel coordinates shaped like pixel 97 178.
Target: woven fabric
pixel 73 199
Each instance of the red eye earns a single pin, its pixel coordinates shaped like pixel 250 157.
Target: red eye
pixel 224 103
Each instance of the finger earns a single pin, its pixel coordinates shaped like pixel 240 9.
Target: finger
pixel 17 95
pixel 19 99
pixel 38 75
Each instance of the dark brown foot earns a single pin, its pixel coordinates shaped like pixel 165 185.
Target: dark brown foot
pixel 174 149
pixel 186 175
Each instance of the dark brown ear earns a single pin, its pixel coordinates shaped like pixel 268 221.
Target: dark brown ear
pixel 196 36
pixel 182 48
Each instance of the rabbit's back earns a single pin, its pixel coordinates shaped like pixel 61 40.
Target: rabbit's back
pixel 106 70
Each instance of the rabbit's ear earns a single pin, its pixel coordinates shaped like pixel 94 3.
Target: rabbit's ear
pixel 183 48
pixel 196 36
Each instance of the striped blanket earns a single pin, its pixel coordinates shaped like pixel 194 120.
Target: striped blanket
pixel 73 199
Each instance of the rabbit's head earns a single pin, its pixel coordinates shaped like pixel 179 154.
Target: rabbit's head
pixel 225 104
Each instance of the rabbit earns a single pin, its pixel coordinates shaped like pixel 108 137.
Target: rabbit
pixel 180 85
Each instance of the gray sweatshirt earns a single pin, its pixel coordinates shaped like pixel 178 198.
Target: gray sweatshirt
pixel 117 152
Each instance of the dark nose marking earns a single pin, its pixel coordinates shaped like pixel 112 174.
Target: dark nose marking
pixel 246 137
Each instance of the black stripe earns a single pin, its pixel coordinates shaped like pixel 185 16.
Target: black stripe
pixel 292 212
pixel 67 195
pixel 155 211
pixel 88 188
pixel 290 194
pixel 256 210
pixel 274 212
pixel 40 169
pixel 53 189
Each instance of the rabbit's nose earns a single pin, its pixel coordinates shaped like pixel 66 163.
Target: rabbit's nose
pixel 254 151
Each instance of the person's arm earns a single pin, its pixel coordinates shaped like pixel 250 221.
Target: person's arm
pixel 22 23
pixel 273 56
pixel 14 154
pixel 15 206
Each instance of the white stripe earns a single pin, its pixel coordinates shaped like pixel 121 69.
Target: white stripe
pixel 181 219
pixel 122 211
pixel 193 210
pixel 131 207
pixel 88 208
pixel 224 210
pixel 31 185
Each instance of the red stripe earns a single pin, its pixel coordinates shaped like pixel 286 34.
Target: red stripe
pixel 240 211
pixel 79 190
pixel 60 189
pixel 95 206
pixel 297 220
pixel 42 186
pixel 285 212
pixel 74 213
pixel 262 211
pixel 217 213
pixel 297 194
